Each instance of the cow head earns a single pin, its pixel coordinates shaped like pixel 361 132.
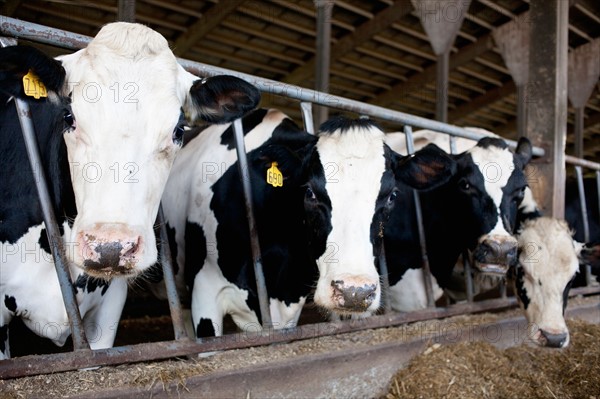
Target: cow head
pixel 348 181
pixel 491 185
pixel 128 101
pixel 548 261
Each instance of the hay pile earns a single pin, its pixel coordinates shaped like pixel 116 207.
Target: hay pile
pixel 479 370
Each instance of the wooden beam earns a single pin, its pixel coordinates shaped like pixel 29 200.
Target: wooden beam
pixel 362 34
pixel 484 100
pixel 205 24
pixel 547 114
pixel 415 81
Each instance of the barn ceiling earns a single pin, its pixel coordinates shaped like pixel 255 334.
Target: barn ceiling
pixel 380 54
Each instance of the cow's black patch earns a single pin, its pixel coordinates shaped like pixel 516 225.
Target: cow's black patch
pixel 195 251
pixel 173 248
pixel 521 291
pixel 487 142
pixel 89 284
pixel 343 124
pixel 249 122
pixel 566 293
pixel 205 329
pixel 11 303
pixel 3 338
pixel 43 241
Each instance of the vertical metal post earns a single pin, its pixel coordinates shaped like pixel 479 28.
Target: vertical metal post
pixel 54 236
pixel 261 287
pixel 307 117
pixel 126 11
pixel 579 132
pixel 166 261
pixel 385 279
pixel 425 265
pixel 323 56
pixel 441 86
pixel 584 219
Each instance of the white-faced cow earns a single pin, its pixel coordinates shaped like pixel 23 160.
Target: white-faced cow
pixel 478 209
pixel 547 265
pixel 320 230
pixel 108 140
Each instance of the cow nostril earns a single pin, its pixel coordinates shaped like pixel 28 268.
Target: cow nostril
pixel 555 340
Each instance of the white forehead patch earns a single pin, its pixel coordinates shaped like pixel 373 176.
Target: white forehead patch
pixel 354 163
pixel 496 166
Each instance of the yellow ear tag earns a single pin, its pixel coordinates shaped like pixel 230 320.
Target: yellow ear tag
pixel 33 86
pixel 274 176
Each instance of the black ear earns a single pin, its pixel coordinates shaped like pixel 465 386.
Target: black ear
pixel 290 155
pixel 426 169
pixel 16 61
pixel 221 99
pixel 524 150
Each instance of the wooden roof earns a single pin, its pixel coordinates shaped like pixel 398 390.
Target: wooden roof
pixel 380 54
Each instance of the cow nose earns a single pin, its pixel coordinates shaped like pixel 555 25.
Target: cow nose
pixel 353 297
pixel 495 255
pixel 110 251
pixel 555 340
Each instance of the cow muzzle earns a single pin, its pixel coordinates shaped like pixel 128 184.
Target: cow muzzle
pixel 353 295
pixel 551 339
pixel 110 250
pixel 495 254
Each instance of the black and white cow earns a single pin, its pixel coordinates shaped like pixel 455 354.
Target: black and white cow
pixel 547 265
pixel 323 226
pixel 476 209
pixel 108 135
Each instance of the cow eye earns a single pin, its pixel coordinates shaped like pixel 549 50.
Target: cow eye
pixel 464 185
pixel 310 194
pixel 392 197
pixel 178 134
pixel 69 120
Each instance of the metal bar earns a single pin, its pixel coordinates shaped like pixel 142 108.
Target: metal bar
pixel 126 11
pixel 468 275
pixel 584 219
pixel 422 239
pixel 167 265
pixel 307 117
pixel 598 191
pixel 579 132
pixel 452 144
pixel 323 55
pixel 43 34
pixel 441 86
pixel 261 287
pixel 582 162
pixel 61 263
pixel 385 280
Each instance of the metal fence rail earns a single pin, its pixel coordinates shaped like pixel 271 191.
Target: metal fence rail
pixel 29 365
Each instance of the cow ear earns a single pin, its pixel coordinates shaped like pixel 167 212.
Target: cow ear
pixel 524 150
pixel 222 99
pixel 426 169
pixel 17 61
pixel 290 159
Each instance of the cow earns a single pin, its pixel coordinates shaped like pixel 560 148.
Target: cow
pixel 542 277
pixel 478 209
pixel 320 227
pixel 108 130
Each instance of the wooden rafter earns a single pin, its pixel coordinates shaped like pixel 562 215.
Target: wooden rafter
pixel 205 24
pixel 363 33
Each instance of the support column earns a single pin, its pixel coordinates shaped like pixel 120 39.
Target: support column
pixel 126 11
pixel 441 20
pixel 547 114
pixel 323 56
pixel 584 72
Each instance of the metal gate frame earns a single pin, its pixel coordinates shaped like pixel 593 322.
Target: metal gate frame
pixel 83 357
